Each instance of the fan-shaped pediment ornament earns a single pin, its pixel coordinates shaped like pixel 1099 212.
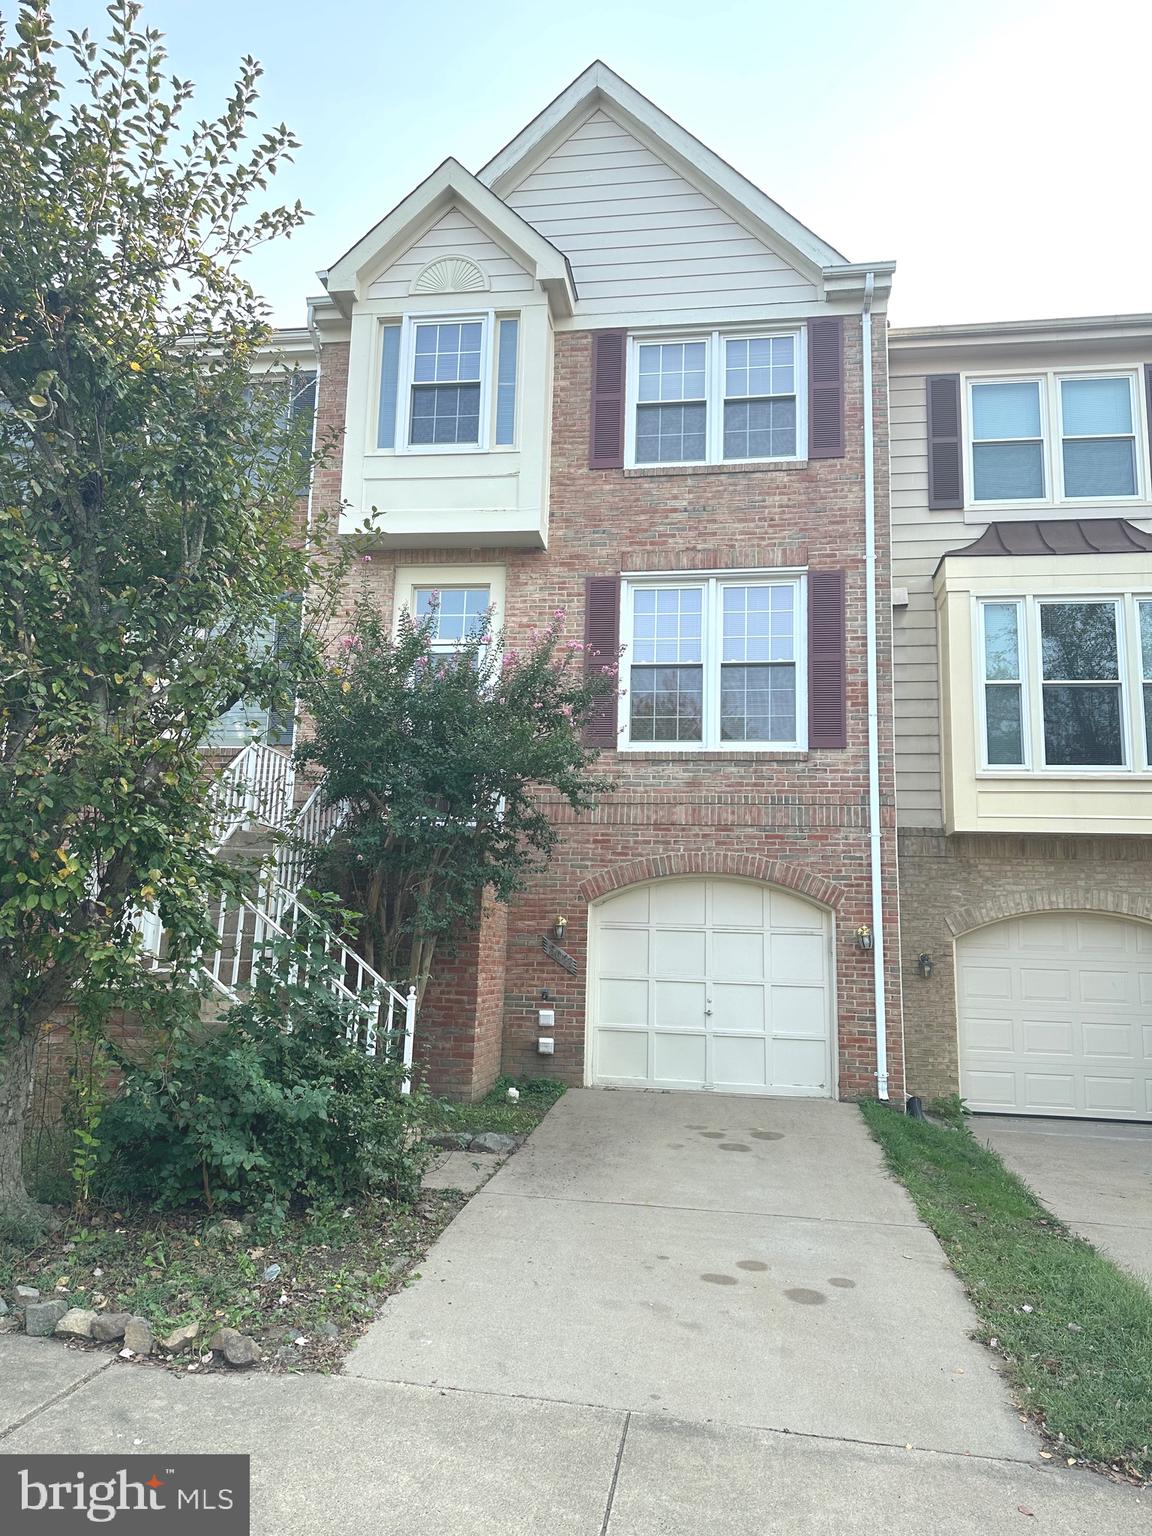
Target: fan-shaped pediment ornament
pixel 450 274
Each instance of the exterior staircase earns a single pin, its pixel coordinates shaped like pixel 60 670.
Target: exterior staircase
pixel 255 815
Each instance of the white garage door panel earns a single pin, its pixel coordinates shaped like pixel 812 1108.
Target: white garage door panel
pixel 1056 1016
pixel 712 984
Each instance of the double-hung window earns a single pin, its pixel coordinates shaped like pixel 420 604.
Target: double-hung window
pixel 1054 683
pixel 1054 438
pixel 448 385
pixel 460 615
pixel 714 662
pixel 716 399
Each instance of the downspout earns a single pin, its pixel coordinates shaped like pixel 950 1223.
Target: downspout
pixel 875 831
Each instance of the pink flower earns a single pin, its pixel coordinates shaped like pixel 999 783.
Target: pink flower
pixel 348 642
pixel 559 614
pixel 566 711
pixel 366 559
pixel 575 645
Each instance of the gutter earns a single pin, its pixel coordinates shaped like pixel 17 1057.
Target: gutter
pixel 875 831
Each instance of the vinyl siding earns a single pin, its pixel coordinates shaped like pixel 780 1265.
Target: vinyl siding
pixel 919 538
pixel 453 235
pixel 639 236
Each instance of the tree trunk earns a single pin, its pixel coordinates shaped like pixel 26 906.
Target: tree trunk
pixel 17 1060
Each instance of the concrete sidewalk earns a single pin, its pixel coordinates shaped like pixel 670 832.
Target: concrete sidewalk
pixel 668 1314
pixel 1096 1175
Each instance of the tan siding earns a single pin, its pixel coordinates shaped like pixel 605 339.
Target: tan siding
pixel 454 235
pixel 919 538
pixel 635 230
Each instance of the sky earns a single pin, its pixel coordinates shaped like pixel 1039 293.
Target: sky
pixel 995 149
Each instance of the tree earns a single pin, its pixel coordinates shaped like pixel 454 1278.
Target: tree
pixel 149 530
pixel 438 759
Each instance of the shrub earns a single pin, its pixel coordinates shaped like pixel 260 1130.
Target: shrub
pixel 270 1105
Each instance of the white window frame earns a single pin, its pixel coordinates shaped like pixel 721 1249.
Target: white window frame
pixel 983 682
pixel 1126 604
pixel 711 583
pixel 1137 434
pixel 714 394
pixel 1052 439
pixel 410 578
pixel 487 320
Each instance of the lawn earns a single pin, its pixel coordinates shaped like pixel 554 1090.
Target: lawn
pixel 1074 1330
pixel 318 1277
pixel 495 1112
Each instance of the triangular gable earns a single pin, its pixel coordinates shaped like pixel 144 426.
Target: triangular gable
pixel 600 91
pixel 450 187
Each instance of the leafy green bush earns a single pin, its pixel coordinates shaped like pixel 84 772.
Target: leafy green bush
pixel 271 1105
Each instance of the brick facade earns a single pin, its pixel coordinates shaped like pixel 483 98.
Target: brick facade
pixel 797 819
pixel 950 886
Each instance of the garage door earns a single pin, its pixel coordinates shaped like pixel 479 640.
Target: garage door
pixel 711 984
pixel 1056 1017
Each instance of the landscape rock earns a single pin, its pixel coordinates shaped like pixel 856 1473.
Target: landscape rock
pixel 3 1307
pixel 238 1349
pixel 451 1141
pixel 76 1323
pixel 180 1338
pixel 110 1326
pixel 25 1294
pixel 41 1317
pixel 138 1336
pixel 494 1141
pixel 272 1272
pixel 327 1330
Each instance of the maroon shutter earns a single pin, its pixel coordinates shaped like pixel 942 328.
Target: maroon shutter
pixel 826 388
pixel 606 438
pixel 601 644
pixel 827 712
pixel 945 474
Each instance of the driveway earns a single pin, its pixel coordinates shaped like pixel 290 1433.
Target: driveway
pixel 667 1314
pixel 1095 1175
pixel 705 1257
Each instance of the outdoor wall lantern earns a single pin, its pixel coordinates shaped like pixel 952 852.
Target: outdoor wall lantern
pixel 925 964
pixel 559 929
pixel 864 937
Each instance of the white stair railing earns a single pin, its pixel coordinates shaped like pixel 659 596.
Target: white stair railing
pixel 258 788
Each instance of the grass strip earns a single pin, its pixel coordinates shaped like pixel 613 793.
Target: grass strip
pixel 1074 1330
pixel 496 1112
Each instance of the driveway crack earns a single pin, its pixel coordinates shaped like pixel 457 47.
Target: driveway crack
pixel 615 1476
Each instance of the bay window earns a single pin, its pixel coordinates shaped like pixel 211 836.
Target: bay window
pixel 448 385
pixel 715 662
pixel 1065 683
pixel 716 399
pixel 1054 438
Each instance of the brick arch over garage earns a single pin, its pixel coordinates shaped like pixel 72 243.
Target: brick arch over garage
pixel 1029 903
pixel 739 866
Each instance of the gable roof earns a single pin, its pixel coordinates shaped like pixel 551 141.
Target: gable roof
pixel 600 87
pixel 451 185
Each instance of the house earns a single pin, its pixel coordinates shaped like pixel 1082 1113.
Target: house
pixel 1022 546
pixel 607 374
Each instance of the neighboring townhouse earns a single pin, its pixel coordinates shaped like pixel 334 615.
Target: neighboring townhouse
pixel 608 375
pixel 1022 510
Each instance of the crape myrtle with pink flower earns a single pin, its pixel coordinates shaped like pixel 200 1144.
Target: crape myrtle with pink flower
pixel 442 759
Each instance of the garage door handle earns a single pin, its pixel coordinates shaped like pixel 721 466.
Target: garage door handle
pixel 708 1010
